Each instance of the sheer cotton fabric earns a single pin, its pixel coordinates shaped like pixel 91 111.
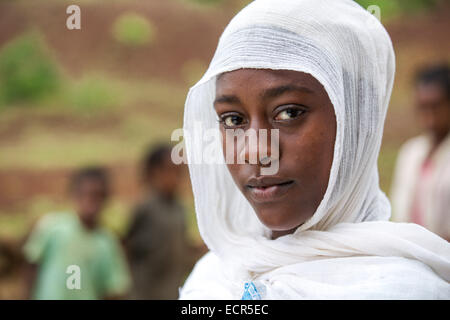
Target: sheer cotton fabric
pixel 347 249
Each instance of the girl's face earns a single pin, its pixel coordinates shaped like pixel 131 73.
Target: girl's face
pixel 298 106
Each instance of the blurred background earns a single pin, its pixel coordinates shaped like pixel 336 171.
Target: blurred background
pixel 101 95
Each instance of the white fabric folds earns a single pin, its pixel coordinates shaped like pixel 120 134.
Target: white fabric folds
pixel 347 249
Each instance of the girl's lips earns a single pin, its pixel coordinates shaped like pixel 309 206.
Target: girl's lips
pixel 269 193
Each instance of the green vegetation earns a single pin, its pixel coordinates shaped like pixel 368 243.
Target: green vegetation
pixel 30 77
pixel 27 71
pixel 111 120
pixel 392 8
pixel 389 8
pixel 91 94
pixel 134 30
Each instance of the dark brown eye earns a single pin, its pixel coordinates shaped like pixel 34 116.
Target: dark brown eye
pixel 288 114
pixel 232 120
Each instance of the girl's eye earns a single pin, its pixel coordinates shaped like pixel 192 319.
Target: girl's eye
pixel 232 120
pixel 288 114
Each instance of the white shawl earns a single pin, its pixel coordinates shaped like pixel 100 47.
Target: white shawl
pixel 347 249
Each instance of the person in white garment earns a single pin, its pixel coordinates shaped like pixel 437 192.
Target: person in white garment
pixel 314 76
pixel 421 185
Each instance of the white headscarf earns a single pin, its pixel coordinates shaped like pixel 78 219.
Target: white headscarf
pixel 347 249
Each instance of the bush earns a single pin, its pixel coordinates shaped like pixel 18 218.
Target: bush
pixel 133 30
pixel 392 8
pixel 92 94
pixel 27 71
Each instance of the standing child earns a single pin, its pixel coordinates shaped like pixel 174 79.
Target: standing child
pixel 156 240
pixel 421 185
pixel 70 255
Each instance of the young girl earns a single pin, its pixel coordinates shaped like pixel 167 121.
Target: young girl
pixel 320 73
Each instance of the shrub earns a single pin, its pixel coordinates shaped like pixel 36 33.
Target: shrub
pixel 27 71
pixel 91 94
pixel 392 8
pixel 133 30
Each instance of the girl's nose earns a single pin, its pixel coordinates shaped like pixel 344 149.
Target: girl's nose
pixel 260 146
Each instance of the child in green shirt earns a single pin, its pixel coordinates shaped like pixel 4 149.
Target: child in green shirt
pixel 70 256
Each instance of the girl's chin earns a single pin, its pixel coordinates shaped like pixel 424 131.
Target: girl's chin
pixel 278 222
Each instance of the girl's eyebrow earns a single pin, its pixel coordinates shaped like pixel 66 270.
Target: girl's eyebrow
pixel 266 93
pixel 230 99
pixel 277 91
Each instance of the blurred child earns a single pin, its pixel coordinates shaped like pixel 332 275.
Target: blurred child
pixel 156 241
pixel 421 187
pixel 70 255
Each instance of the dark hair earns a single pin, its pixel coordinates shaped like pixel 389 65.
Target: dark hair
pixel 90 173
pixel 437 74
pixel 156 157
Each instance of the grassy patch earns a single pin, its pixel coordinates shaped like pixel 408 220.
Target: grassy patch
pixel 27 70
pixel 44 148
pixel 91 94
pixel 133 30
pixel 103 120
pixel 392 8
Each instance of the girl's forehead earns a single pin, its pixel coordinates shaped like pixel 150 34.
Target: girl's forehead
pixel 266 77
